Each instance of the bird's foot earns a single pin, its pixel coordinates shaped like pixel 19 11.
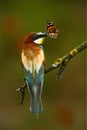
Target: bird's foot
pixel 21 90
pixel 61 70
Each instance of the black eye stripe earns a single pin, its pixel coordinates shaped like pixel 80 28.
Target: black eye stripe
pixel 37 36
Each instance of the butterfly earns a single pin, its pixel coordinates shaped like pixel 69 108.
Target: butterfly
pixel 51 30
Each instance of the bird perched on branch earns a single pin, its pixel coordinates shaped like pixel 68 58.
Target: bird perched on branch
pixel 33 61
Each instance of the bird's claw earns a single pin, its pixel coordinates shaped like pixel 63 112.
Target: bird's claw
pixel 21 90
pixel 61 70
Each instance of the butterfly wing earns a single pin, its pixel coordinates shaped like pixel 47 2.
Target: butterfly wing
pixel 51 29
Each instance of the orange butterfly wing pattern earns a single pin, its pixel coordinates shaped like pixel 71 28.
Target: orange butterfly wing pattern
pixel 51 30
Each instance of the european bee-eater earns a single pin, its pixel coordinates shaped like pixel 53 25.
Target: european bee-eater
pixel 33 65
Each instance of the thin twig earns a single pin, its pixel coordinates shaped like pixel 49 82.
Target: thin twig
pixel 60 63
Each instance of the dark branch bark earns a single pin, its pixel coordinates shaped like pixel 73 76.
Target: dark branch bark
pixel 59 63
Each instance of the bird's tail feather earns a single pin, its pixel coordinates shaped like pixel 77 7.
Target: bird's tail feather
pixel 36 103
pixel 36 106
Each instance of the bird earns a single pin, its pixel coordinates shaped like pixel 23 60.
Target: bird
pixel 33 62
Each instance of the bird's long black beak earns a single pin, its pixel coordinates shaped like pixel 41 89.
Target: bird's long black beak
pixel 39 35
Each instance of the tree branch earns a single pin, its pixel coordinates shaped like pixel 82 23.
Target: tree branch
pixel 59 63
pixel 62 62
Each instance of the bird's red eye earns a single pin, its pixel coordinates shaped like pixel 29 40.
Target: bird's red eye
pixel 51 29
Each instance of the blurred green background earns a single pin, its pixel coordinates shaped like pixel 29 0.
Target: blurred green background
pixel 63 101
